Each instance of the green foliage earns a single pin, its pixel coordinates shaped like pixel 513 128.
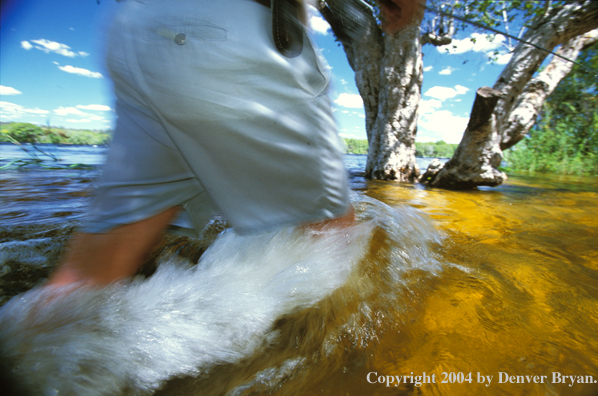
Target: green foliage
pixel 28 133
pixel 488 16
pixel 565 138
pixel 356 146
pixel 439 149
pixel 496 13
pixel 22 132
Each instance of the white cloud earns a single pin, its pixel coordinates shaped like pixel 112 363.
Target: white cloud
pixel 319 25
pixel 429 106
pixel 425 139
pixel 81 121
pixel 479 43
pixel 461 89
pixel 428 68
pixel 444 124
pixel 503 59
pixel 9 91
pixel 476 42
pixel 74 111
pixel 36 111
pixel 12 110
pixel 96 107
pixel 443 93
pixel 435 124
pixel 63 111
pixel 316 23
pixel 446 71
pixel 80 71
pixel 349 100
pixel 52 46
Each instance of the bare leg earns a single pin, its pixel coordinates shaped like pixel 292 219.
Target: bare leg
pixel 99 259
pixel 340 222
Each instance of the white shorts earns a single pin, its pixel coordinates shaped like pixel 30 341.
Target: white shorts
pixel 212 117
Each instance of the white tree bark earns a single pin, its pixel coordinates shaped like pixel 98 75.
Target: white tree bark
pixel 529 104
pixel 521 95
pixel 389 74
pixel 391 154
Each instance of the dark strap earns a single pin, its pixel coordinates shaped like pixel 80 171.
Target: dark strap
pixel 350 19
pixel 265 3
pixel 286 28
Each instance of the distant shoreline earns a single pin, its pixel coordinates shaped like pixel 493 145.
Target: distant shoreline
pixel 22 132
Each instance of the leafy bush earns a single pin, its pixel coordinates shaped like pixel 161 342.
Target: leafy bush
pixel 440 149
pixel 23 133
pixel 565 137
pixel 29 133
pixel 356 146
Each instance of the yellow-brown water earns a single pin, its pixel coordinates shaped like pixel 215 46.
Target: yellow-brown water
pixel 516 293
pixel 520 305
pixel 528 306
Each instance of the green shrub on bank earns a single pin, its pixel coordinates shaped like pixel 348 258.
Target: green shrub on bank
pixel 22 133
pixel 565 137
pixel 439 149
pixel 356 146
pixel 28 133
pixel 556 147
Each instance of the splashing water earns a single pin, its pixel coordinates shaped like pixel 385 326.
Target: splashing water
pixel 246 295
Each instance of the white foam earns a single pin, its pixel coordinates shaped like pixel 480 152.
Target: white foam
pixel 185 319
pixel 181 321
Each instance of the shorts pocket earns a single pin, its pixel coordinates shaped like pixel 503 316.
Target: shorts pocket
pixel 321 82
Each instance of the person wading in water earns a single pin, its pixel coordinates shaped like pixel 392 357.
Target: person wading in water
pixel 222 107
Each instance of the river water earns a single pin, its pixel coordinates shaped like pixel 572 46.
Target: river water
pixel 493 292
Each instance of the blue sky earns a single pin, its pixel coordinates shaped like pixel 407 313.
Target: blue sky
pixel 51 72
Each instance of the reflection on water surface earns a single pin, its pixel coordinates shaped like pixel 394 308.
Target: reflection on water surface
pixel 529 303
pixel 517 294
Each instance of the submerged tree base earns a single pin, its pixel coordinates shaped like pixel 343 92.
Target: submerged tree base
pixel 478 156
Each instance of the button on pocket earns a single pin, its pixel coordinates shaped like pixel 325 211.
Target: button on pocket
pixel 180 38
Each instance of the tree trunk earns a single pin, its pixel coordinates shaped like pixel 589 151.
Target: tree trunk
pixel 521 96
pixel 478 157
pixel 389 74
pixel 524 113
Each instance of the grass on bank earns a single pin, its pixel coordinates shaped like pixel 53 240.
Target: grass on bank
pixel 23 132
pixel 551 147
pixel 566 144
pixel 37 156
pixel 565 137
pixel 439 149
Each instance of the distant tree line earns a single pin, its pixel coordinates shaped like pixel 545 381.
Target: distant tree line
pixel 356 146
pixel 439 149
pixel 23 132
pixel 565 137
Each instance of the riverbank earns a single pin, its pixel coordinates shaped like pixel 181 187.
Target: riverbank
pixel 20 132
pixel 512 289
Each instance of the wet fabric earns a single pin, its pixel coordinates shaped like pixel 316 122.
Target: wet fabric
pixel 212 117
